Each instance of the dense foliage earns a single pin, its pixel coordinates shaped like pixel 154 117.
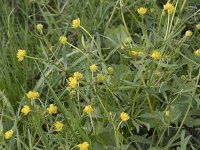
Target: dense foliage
pixel 100 74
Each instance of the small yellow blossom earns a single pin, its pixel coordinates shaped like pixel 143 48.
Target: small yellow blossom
pixel 84 146
pixel 58 126
pixel 198 26
pixel 100 78
pixel 158 73
pixel 188 33
pixel 88 109
pixel 52 109
pixel 78 75
pixel 32 95
pixel 63 40
pixel 110 70
pixel 72 82
pixel 128 40
pixel 156 55
pixel 197 52
pixel 124 116
pixel 93 68
pixel 8 134
pixel 39 27
pixel 25 110
pixel 134 54
pixel 142 10
pixel 169 7
pixel 21 54
pixel 76 23
pixel 167 113
pixel 123 46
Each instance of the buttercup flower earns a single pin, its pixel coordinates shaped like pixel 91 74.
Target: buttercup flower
pixel 88 109
pixel 93 68
pixel 76 23
pixel 128 40
pixel 100 78
pixel 134 54
pixel 167 113
pixel 72 82
pixel 8 134
pixel 124 116
pixel 123 46
pixel 39 27
pixel 32 95
pixel 169 7
pixel 21 54
pixel 78 75
pixel 156 55
pixel 110 70
pixel 52 109
pixel 188 33
pixel 84 146
pixel 142 10
pixel 58 126
pixel 198 26
pixel 63 40
pixel 25 110
pixel 197 52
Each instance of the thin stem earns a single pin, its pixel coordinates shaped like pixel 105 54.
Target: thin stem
pixel 92 124
pixel 98 48
pixel 166 33
pixel 174 137
pixel 160 139
pixel 173 17
pixel 160 21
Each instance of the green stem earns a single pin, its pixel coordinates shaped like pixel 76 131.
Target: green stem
pixel 160 139
pixel 98 48
pixel 92 124
pixel 166 33
pixel 174 137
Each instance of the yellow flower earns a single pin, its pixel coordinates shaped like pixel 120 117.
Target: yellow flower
pixel 169 7
pixel 72 82
pixel 52 109
pixel 134 54
pixel 32 95
pixel 39 27
pixel 198 26
pixel 76 23
pixel 100 78
pixel 167 113
pixel 110 70
pixel 63 40
pixel 78 75
pixel 25 110
pixel 93 68
pixel 88 109
pixel 58 126
pixel 124 116
pixel 142 10
pixel 84 146
pixel 8 134
pixel 123 46
pixel 128 40
pixel 188 33
pixel 158 73
pixel 197 52
pixel 21 54
pixel 156 55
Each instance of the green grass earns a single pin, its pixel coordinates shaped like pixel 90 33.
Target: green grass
pixel 142 87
